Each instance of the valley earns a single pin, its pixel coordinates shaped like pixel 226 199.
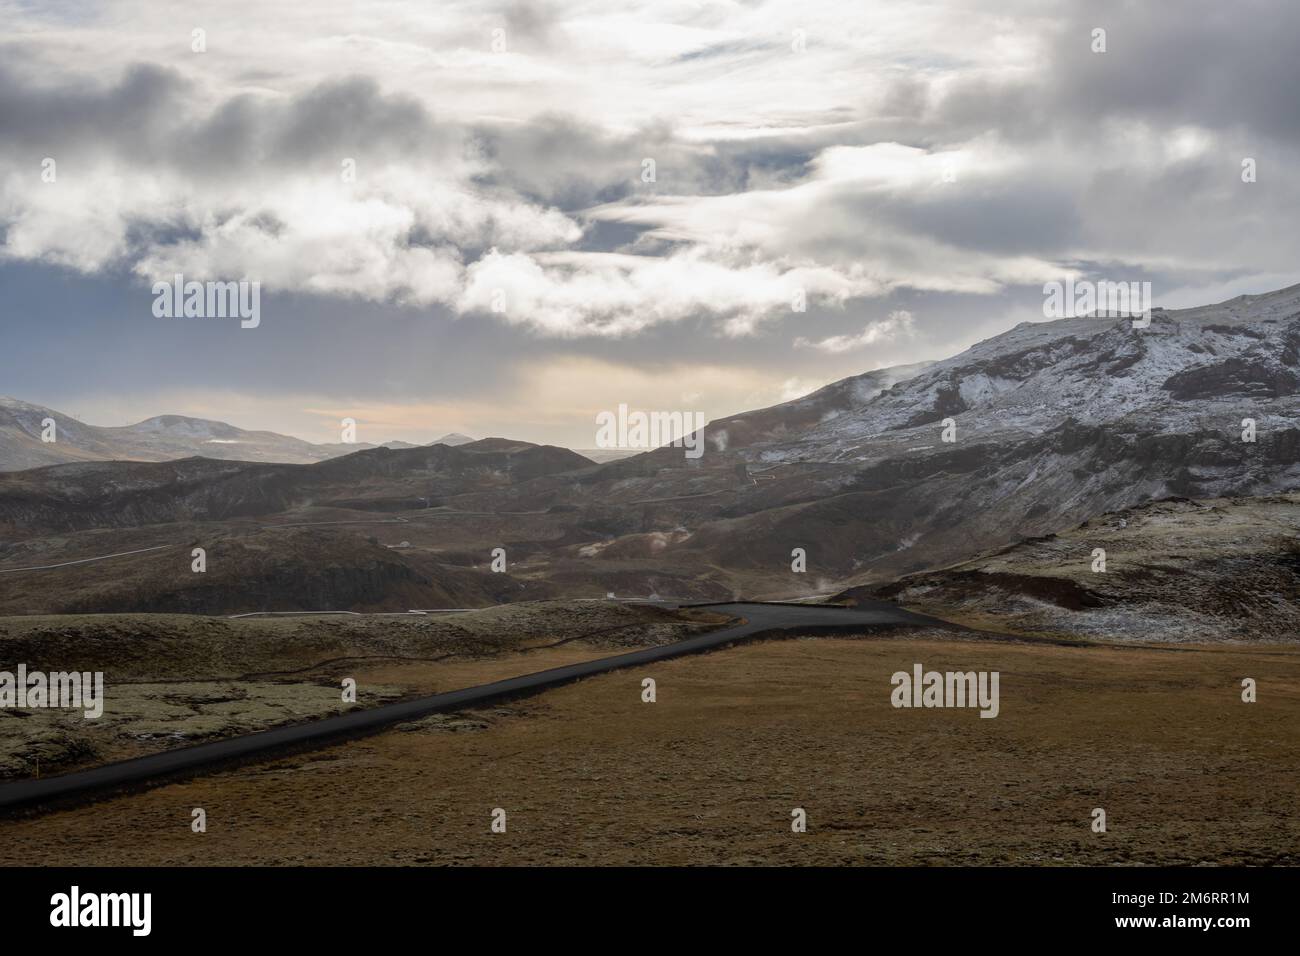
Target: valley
pixel 1053 424
pixel 1071 516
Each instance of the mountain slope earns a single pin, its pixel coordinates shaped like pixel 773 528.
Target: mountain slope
pixel 1188 370
pixel 1174 570
pixel 162 438
pixel 74 497
pixel 21 427
pixel 1052 424
pixel 1055 422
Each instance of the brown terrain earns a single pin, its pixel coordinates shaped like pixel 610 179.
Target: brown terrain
pixel 172 680
pixel 588 774
pixel 1055 423
pixel 1175 570
pixel 1121 687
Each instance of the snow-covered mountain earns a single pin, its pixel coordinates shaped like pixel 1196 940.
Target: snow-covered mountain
pixel 1052 423
pixel 897 470
pixel 1202 369
pixel 162 438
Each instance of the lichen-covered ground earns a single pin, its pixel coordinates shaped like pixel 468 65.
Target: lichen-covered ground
pixel 171 680
pixel 1197 571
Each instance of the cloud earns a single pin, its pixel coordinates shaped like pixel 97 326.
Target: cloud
pixel 898 324
pixel 845 222
pixel 886 155
pixel 611 294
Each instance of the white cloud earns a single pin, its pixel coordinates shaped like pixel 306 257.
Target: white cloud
pixel 897 325
pixel 588 293
pixel 779 172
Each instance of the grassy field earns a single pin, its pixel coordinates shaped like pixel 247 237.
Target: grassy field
pixel 173 679
pixel 1156 736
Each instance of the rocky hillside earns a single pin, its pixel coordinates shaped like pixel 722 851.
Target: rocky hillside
pixel 1177 570
pixel 121 494
pixel 1053 423
pixel 272 569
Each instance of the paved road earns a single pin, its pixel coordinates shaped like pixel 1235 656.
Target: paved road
pixel 758 619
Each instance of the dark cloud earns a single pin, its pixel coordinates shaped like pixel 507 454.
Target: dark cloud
pixel 1221 66
pixel 562 161
pixel 1014 217
pixel 530 24
pixel 350 117
pixel 133 117
pixel 148 119
pixel 1211 64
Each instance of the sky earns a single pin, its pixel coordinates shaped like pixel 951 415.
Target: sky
pixel 505 218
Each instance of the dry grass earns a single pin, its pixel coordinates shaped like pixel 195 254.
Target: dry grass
pixel 172 680
pixel 1186 772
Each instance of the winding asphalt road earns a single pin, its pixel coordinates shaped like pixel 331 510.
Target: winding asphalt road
pixel 758 619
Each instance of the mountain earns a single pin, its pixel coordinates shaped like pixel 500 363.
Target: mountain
pixel 163 438
pixel 21 426
pixel 602 455
pixel 1184 372
pixel 879 475
pixel 334 535
pixel 85 495
pixel 1054 423
pixel 788 422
